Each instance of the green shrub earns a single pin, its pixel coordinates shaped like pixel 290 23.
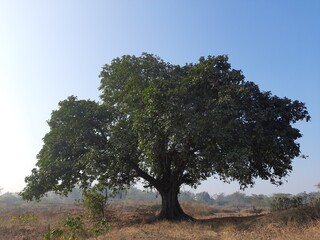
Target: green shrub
pixel 100 227
pixel 284 203
pixel 95 202
pixel 74 227
pixel 55 233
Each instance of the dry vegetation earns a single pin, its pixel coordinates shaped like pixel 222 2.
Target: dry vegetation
pixel 131 220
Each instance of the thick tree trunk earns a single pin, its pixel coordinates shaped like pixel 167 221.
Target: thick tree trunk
pixel 171 209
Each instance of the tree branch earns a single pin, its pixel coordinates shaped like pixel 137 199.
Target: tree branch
pixel 144 175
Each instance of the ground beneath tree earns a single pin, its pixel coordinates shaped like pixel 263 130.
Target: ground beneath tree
pixel 212 223
pixel 132 220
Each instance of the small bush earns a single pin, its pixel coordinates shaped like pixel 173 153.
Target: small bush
pixel 95 202
pixel 74 227
pixel 55 233
pixel 100 227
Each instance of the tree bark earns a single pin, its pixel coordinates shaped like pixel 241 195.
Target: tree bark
pixel 171 209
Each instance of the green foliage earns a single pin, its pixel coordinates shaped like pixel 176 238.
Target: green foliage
pixel 284 203
pixel 258 201
pixel 24 219
pixel 204 197
pixel 28 218
pixel 95 202
pixel 73 227
pixel 13 220
pixel 55 233
pixel 100 227
pixel 169 125
pixel 239 199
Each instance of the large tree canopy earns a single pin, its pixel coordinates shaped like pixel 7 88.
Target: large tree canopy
pixel 168 125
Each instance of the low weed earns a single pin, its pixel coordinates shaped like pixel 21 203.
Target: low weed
pixel 23 219
pixel 100 227
pixel 53 234
pixel 75 228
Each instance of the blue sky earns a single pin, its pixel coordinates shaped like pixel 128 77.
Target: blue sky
pixel 52 49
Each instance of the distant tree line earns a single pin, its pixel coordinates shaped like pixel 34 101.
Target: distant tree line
pixel 238 199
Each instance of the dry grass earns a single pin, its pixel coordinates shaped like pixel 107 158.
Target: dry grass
pixel 235 228
pixel 163 230
pixel 221 224
pixel 136 221
pixel 30 222
pixel 272 231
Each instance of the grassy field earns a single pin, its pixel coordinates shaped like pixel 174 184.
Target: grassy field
pixel 132 220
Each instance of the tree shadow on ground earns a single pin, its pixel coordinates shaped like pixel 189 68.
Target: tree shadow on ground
pixel 239 222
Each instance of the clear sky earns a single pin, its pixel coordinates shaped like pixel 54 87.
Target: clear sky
pixel 53 49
